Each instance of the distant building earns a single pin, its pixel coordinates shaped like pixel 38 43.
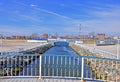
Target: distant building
pixel 18 37
pixel 101 36
pixel 86 37
pixel 116 37
pixel 44 36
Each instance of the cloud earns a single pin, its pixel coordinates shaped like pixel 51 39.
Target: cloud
pixel 45 10
pixel 53 13
pixel 17 16
pixel 97 18
pixel 30 18
pixel 103 21
pixel 33 5
pixel 114 13
pixel 91 6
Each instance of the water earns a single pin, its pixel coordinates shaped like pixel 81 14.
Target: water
pixel 60 51
pixel 58 61
pixel 63 61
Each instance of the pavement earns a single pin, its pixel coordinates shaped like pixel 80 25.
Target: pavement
pixel 43 80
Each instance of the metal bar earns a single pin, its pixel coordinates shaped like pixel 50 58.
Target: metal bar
pixel 77 68
pixel 19 64
pixel 91 70
pixel 69 65
pixel 87 70
pixel 53 65
pixel 45 59
pixel 15 61
pixel 112 68
pixel 57 65
pixel 31 66
pixel 73 66
pixel 26 70
pixel 49 59
pixel 49 66
pixel 11 65
pixel 2 63
pixel 96 64
pixel 99 69
pixel 7 66
pixel 82 70
pixel 65 66
pixel 116 71
pixel 40 67
pixel 35 65
pixel 61 67
pixel 23 65
pixel 104 69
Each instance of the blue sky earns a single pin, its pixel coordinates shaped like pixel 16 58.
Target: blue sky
pixel 24 17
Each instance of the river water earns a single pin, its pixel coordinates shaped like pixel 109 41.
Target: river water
pixel 58 61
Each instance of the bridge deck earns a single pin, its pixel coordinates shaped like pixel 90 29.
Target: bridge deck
pixel 41 80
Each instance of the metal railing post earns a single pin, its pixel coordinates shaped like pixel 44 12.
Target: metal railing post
pixel 116 73
pixel 40 67
pixel 82 70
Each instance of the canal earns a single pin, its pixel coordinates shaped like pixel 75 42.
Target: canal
pixel 58 61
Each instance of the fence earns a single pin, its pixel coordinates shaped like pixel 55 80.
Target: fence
pixel 102 52
pixel 60 66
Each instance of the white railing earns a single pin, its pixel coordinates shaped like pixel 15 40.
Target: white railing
pixel 96 50
pixel 64 67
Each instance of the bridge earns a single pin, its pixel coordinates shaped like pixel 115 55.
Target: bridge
pixel 59 63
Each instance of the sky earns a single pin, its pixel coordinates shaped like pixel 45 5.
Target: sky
pixel 64 17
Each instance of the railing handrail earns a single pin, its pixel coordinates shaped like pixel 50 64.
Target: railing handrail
pixel 98 50
pixel 78 61
pixel 60 55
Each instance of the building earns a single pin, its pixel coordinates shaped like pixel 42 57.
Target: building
pixel 18 37
pixel 86 37
pixel 44 36
pixel 101 36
